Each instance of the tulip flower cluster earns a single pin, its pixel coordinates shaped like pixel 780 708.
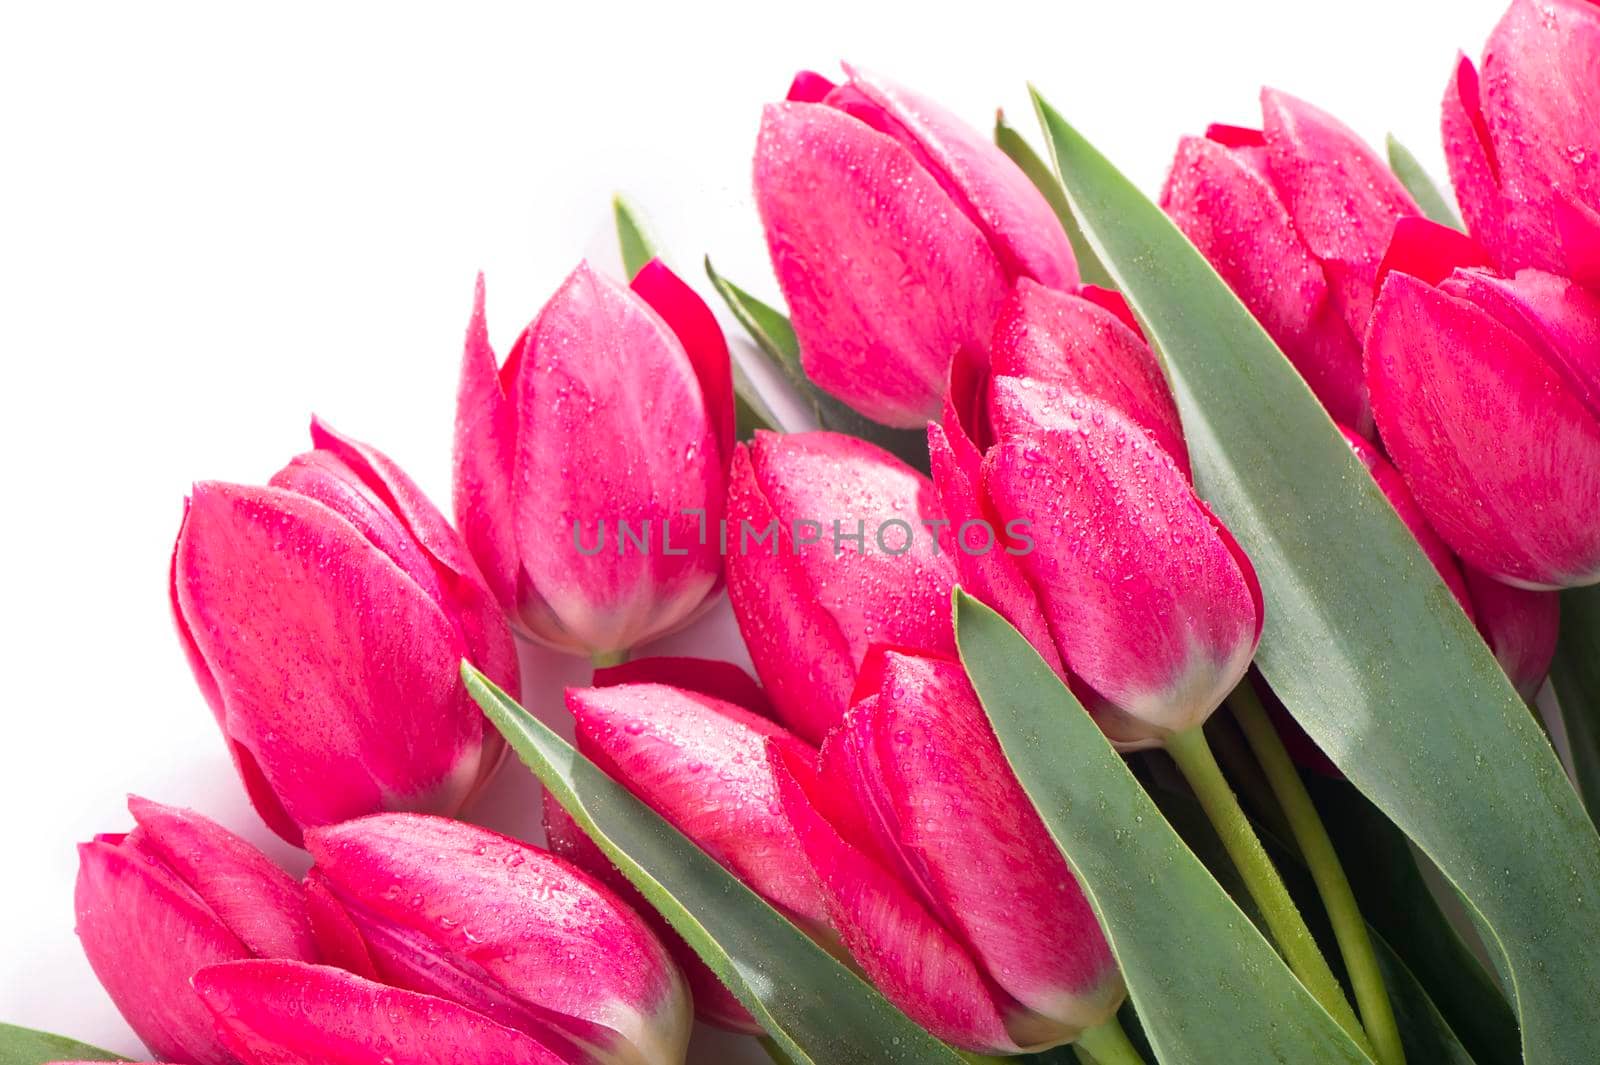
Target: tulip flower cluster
pixel 608 488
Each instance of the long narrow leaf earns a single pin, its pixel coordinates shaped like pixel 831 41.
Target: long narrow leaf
pixel 816 1010
pixel 1208 987
pixel 24 1046
pixel 1016 146
pixel 1363 641
pixel 632 237
pixel 1576 673
pixel 1421 185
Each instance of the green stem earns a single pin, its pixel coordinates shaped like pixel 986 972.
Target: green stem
pixel 1190 750
pixel 1108 1044
pixel 605 659
pixel 774 1051
pixel 1349 928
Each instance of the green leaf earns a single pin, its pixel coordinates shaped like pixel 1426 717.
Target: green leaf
pixel 1016 146
pixel 817 1011
pixel 24 1046
pixel 1429 196
pixel 1206 984
pixel 1363 641
pixel 1576 675
pixel 637 248
pixel 773 334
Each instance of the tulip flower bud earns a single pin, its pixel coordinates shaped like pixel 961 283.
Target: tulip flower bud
pixel 1295 217
pixel 176 894
pixel 591 467
pixel 1521 627
pixel 1126 584
pixel 511 932
pixel 1523 141
pixel 895 231
pixel 1487 395
pixel 833 545
pixel 325 617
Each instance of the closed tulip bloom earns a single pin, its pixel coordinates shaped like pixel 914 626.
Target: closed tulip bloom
pixel 1295 217
pixel 833 545
pixel 895 230
pixel 1487 395
pixel 1522 137
pixel 507 930
pixel 291 1013
pixel 590 468
pixel 176 894
pixel 1123 580
pixel 325 617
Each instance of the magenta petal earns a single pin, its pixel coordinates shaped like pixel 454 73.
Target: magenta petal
pixel 1578 226
pixel 921 279
pixel 1425 249
pixel 1064 339
pixel 1520 626
pixel 1147 602
pixel 1343 198
pixel 145 933
pixel 339 941
pixel 701 763
pixel 290 1013
pixel 694 324
pixel 1229 209
pixel 720 680
pixel 902 948
pixel 1469 152
pixel 1502 456
pixel 1017 220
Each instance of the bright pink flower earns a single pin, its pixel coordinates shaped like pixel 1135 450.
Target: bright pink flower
pixel 1487 395
pixel 326 616
pixel 1523 140
pixel 1113 569
pixel 291 1013
pixel 1295 217
pixel 176 894
pixel 591 467
pixel 895 230
pixel 1520 626
pixel 505 929
pixel 833 545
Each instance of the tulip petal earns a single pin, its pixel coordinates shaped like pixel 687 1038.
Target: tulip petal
pixel 1122 547
pixel 963 813
pixel 1501 455
pixel 254 899
pixel 1228 209
pixel 720 680
pixel 903 950
pixel 1578 225
pixel 145 933
pixel 290 1013
pixel 1470 154
pixel 1015 218
pixel 884 281
pixel 1064 339
pixel 1520 626
pixel 614 429
pixel 339 941
pixel 340 715
pixel 692 322
pixel 1343 198
pixel 534 928
pixel 1425 249
pixel 701 763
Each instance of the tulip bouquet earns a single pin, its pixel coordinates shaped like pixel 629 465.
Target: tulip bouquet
pixel 1175 629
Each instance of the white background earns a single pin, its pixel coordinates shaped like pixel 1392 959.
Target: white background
pixel 214 221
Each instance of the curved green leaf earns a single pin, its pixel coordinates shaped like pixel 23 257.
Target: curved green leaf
pixel 1363 641
pixel 24 1046
pixel 1576 675
pixel 1429 196
pixel 1016 146
pixel 1207 986
pixel 637 247
pixel 817 1011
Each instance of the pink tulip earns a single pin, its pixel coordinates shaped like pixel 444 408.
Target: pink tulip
pixel 1295 217
pixel 1487 395
pixel 591 467
pixel 290 1013
pixel 1124 581
pixel 176 894
pixel 1523 140
pixel 325 617
pixel 1028 969
pixel 851 557
pixel 895 230
pixel 511 932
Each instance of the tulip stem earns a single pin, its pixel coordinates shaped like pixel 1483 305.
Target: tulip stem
pixel 607 659
pixel 1108 1044
pixel 1349 928
pixel 1193 755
